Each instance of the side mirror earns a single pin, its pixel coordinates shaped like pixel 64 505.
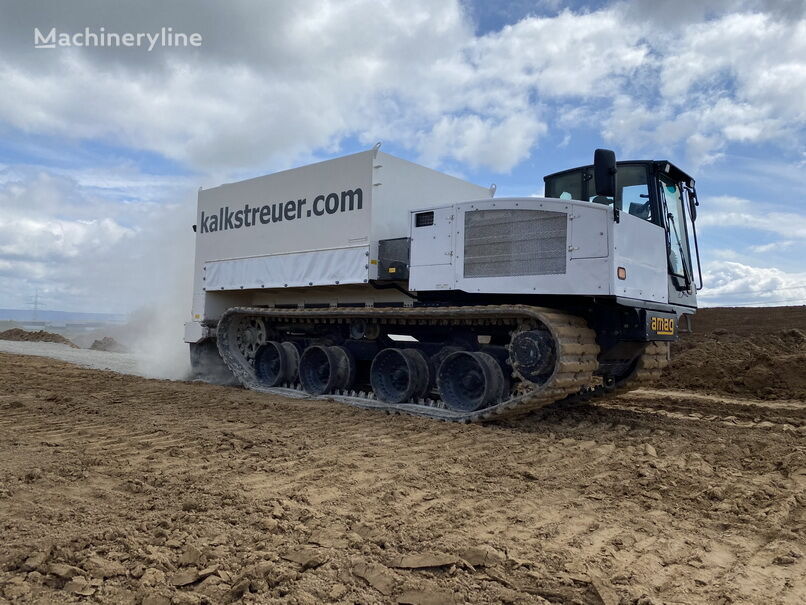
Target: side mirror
pixel 604 172
pixel 692 204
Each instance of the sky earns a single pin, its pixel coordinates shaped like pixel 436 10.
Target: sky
pixel 102 150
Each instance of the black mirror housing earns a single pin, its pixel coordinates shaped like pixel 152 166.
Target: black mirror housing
pixel 604 172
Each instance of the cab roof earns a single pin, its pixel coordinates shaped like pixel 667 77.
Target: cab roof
pixel 664 166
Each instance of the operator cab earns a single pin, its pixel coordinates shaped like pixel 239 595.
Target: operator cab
pixel 655 191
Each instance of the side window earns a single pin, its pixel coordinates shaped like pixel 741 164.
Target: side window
pixel 565 186
pixel 632 194
pixel 633 191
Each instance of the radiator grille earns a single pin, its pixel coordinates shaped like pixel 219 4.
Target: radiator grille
pixel 502 243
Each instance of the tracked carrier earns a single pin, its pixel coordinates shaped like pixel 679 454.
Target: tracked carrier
pixel 384 284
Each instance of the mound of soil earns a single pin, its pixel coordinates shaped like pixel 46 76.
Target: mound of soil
pixel 18 334
pixel 108 344
pixel 757 352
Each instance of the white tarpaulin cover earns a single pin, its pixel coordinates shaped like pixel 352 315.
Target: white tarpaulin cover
pixel 320 268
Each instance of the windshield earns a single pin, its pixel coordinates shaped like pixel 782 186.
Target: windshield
pixel 679 257
pixel 632 190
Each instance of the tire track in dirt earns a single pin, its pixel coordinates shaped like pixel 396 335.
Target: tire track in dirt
pixel 92 437
pixel 745 413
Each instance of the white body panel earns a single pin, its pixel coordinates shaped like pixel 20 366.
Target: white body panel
pixel 589 266
pixel 432 251
pixel 195 331
pixel 640 247
pixel 298 269
pixel 314 225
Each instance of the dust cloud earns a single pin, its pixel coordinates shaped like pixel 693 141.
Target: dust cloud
pixel 157 342
pixel 158 271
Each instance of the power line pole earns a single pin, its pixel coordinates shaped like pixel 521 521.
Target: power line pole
pixel 35 305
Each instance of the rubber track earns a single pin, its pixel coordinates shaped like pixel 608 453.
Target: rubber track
pixel 646 372
pixel 576 345
pixel 649 368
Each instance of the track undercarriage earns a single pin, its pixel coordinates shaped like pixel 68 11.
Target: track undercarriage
pixel 465 364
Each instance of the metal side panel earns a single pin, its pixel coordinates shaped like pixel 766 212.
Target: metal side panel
pixel 319 268
pixel 640 248
pixel 589 231
pixel 195 332
pixel 432 237
pixel 432 249
pixel 522 246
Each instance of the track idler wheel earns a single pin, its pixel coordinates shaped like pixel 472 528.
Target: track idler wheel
pixel 324 369
pixel 533 355
pixel 399 375
pixel 277 363
pixel 469 381
pixel 249 335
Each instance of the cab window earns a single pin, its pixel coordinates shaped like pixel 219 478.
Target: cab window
pixel 632 189
pixel 567 186
pixel 633 192
pixel 679 257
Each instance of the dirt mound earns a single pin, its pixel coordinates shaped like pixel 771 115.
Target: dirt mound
pixel 18 334
pixel 108 344
pixel 756 352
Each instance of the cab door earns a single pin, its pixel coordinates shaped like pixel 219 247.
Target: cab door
pixel 682 289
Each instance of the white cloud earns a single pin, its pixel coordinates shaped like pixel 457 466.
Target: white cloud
pixel 415 72
pixel 89 251
pixel 475 141
pixel 772 246
pixel 724 254
pixel 729 211
pixel 732 283
pixel 738 78
pixel 762 54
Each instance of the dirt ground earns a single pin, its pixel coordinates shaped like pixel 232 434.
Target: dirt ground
pixel 119 489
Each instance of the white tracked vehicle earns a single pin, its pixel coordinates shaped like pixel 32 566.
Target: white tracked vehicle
pixel 384 284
